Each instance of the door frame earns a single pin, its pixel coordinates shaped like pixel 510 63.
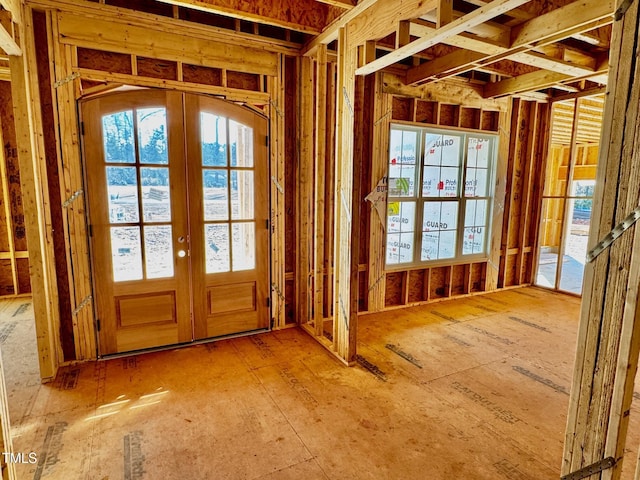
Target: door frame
pixel 273 230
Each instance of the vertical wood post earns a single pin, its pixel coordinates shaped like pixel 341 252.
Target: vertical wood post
pixel 608 337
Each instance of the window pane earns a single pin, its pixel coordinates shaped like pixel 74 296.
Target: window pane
pixel 156 198
pixel 122 188
pixel 244 246
pixel 439 225
pixel 117 134
pixel 442 149
pixel 478 151
pixel 440 182
pixel 241 194
pixel 583 188
pixel 476 183
pixel 241 139
pixel 152 135
pixel 401 217
pixel 402 161
pixel 216 238
pixel 216 195
pixel 158 250
pixel 126 253
pixel 213 135
pixel 473 241
pixel 400 228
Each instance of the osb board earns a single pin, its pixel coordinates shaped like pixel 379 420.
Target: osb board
pixel 510 272
pixel 6 278
pixel 24 283
pixel 449 115
pixel 206 18
pixel 154 68
pixel 478 276
pixel 148 6
pixel 13 174
pixel 490 120
pixel 470 118
pixel 362 291
pixel 289 295
pixel 53 179
pixel 416 286
pixel 393 290
pixel 439 282
pixel 402 109
pixel 202 75
pixel 426 112
pixel 458 280
pixel 104 61
pixel 244 81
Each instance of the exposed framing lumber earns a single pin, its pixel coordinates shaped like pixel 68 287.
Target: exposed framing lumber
pixel 348 4
pixel 8 43
pixel 277 136
pixel 13 7
pixel 27 118
pixel 129 39
pixel 319 193
pixel 304 208
pixel 482 14
pixel 609 337
pixel 8 217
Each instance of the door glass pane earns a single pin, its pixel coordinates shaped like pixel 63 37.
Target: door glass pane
pixel 156 200
pixel 216 194
pixel 241 194
pixel 117 136
pixel 122 188
pixel 241 139
pixel 158 250
pixel 216 239
pixel 550 234
pixel 126 253
pixel 213 135
pixel 575 248
pixel 152 135
pixel 244 246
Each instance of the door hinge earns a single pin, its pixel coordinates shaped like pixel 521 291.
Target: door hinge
pixel 98 324
pixel 266 224
pixel 268 302
pixel 82 128
pixel 266 140
pixel 90 230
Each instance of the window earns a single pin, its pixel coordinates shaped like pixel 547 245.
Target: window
pixel 439 195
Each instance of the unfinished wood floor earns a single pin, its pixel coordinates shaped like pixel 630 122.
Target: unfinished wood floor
pixel 466 389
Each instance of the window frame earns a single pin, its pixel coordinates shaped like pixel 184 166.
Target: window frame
pixel 461 200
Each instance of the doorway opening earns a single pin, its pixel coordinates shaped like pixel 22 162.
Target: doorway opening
pixel 178 207
pixel 570 179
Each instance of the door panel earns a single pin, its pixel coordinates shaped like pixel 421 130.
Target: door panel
pixel 178 201
pixel 229 211
pixel 135 169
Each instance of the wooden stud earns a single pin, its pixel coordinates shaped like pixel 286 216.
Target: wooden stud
pixel 319 201
pixel 608 336
pixel 445 13
pixel 35 197
pixel 8 218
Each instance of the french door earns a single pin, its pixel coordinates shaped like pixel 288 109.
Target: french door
pixel 178 207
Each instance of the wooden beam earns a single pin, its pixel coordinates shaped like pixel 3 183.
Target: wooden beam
pixel 5 74
pixel 518 49
pixel 445 13
pixel 609 333
pixel 533 81
pixel 8 44
pixel 307 16
pixel 13 6
pixel 482 14
pixel 129 39
pixel 348 4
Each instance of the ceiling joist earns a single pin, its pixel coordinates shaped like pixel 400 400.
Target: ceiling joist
pixel 462 24
pixel 8 43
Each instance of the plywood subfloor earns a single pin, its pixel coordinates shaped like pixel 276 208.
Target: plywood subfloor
pixel 467 389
